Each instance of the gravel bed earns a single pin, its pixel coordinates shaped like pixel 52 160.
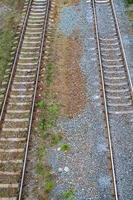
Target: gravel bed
pixel 124 127
pixel 84 168
pixel 121 125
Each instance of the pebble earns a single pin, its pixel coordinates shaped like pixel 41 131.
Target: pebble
pixel 66 169
pixel 60 169
pixel 59 148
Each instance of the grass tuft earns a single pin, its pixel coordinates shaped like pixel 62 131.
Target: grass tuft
pixel 40 168
pixel 43 124
pixel 49 185
pixel 65 147
pixel 41 104
pixel 49 115
pixel 49 74
pixel 68 195
pixel 53 109
pixel 55 138
pixel 41 151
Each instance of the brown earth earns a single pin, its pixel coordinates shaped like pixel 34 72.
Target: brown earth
pixel 69 82
pixel 70 2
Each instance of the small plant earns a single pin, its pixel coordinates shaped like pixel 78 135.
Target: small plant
pixel 44 134
pixel 49 117
pixel 68 195
pixel 44 171
pixel 41 104
pixel 49 185
pixel 43 124
pixel 65 147
pixel 55 139
pixel 53 109
pixel 47 175
pixel 49 74
pixel 41 152
pixel 40 168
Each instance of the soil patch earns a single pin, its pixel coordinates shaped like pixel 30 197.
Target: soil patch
pixel 70 2
pixel 69 82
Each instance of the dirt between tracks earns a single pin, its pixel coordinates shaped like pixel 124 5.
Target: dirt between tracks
pixel 70 2
pixel 69 83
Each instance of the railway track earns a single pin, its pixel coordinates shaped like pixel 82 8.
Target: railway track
pixel 18 104
pixel 115 77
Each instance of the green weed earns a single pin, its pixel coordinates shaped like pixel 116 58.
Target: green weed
pixel 43 124
pixel 68 195
pixel 53 109
pixel 49 74
pixel 65 147
pixel 41 104
pixel 55 139
pixel 41 152
pixel 49 185
pixel 40 169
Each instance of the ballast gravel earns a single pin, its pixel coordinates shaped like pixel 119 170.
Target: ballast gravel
pixel 121 125
pixel 85 167
pixel 87 160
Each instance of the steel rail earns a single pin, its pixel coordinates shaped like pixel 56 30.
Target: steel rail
pixel 105 102
pixel 15 61
pixel 33 100
pixel 122 47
